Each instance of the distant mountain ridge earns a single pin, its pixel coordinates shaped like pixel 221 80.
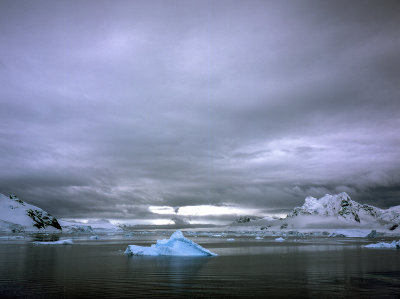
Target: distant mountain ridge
pixel 343 207
pixel 19 216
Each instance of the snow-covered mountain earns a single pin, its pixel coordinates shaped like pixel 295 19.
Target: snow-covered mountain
pixel 19 216
pixel 328 212
pixel 342 207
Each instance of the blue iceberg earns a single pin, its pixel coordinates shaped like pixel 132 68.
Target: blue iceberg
pixel 176 245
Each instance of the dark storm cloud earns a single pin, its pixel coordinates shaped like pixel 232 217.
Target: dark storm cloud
pixel 107 108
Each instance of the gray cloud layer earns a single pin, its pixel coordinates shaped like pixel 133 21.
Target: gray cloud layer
pixel 107 108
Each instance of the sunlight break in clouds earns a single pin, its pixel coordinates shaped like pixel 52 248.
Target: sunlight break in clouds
pixel 203 210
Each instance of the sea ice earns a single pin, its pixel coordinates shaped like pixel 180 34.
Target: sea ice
pixel 176 245
pixel 394 244
pixel 280 239
pixel 60 242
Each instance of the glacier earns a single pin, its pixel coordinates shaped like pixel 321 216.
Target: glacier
pixel 176 245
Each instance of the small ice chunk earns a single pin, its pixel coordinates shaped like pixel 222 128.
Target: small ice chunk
pixel 394 244
pixel 280 239
pixel 60 242
pixel 259 238
pixel 176 245
pixel 94 237
pixel 230 240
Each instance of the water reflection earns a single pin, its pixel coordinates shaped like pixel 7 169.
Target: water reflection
pixel 40 237
pixel 176 274
pixel 277 248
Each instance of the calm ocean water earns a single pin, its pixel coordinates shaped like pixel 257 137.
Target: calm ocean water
pixel 308 268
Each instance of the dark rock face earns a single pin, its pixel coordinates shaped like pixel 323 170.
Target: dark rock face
pixel 13 196
pixel 370 210
pixel 246 219
pixel 372 234
pixel 347 209
pixel 243 219
pixel 43 219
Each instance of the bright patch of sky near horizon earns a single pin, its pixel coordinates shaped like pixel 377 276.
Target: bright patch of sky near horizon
pixel 202 210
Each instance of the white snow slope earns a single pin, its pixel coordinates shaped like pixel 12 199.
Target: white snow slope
pixel 176 245
pixel 19 216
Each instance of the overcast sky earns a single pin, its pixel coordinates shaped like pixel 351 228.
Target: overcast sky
pixel 110 107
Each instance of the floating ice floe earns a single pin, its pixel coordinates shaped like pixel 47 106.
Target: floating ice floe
pixel 94 237
pixel 176 245
pixel 394 244
pixel 280 239
pixel 259 238
pixel 230 240
pixel 60 242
